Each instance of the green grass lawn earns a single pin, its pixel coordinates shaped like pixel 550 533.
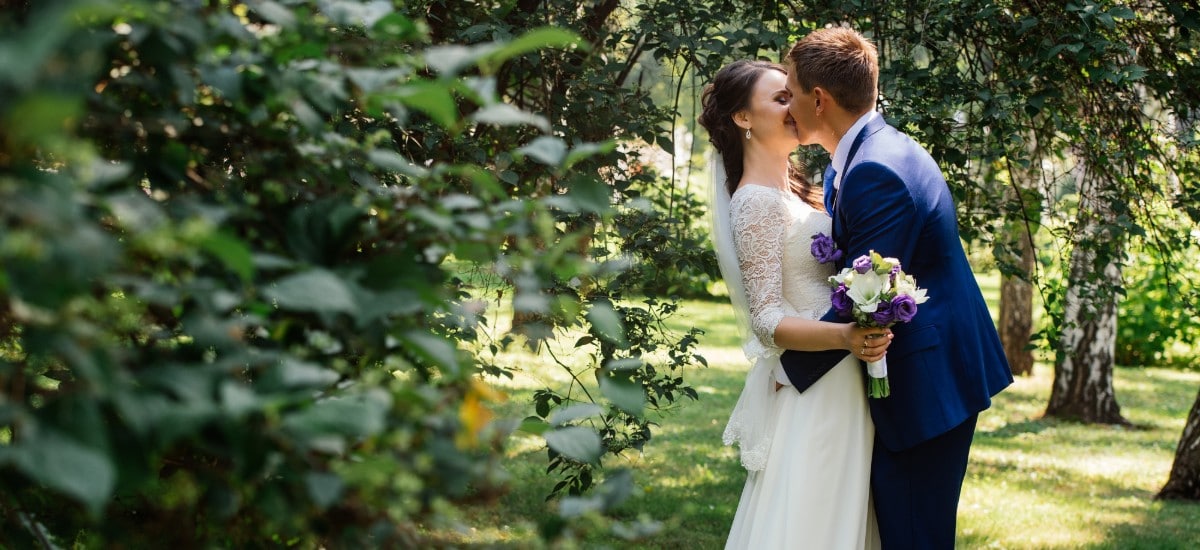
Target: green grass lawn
pixel 1032 483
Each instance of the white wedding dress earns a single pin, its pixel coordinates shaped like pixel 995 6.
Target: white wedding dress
pixel 808 455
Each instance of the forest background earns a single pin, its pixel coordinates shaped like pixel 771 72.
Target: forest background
pixel 252 252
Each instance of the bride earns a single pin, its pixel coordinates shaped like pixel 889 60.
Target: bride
pixel 808 455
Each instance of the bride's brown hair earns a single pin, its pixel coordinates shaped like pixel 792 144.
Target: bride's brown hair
pixel 728 93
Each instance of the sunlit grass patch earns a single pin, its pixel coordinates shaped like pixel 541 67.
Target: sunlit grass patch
pixel 1033 483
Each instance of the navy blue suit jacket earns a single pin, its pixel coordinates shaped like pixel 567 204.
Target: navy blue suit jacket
pixel 947 363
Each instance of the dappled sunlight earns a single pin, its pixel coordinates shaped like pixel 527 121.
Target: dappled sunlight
pixel 1044 483
pixel 1033 482
pixel 999 516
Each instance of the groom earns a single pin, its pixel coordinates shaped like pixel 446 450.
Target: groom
pixel 885 193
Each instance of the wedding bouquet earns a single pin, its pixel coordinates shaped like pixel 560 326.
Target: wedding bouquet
pixel 875 292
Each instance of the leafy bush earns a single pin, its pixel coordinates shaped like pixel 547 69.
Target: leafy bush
pixel 1157 314
pixel 225 314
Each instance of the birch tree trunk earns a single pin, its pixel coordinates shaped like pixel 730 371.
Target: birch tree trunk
pixel 1184 481
pixel 1083 366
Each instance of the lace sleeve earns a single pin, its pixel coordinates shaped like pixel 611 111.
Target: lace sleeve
pixel 760 222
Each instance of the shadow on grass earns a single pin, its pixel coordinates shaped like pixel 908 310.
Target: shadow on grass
pixel 1164 525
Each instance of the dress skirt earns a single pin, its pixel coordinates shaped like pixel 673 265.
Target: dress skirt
pixel 814 490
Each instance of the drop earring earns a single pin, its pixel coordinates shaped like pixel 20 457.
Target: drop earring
pixel 747 133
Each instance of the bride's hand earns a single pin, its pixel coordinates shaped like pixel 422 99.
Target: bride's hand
pixel 868 343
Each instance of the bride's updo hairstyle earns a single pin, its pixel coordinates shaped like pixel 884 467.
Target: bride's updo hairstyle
pixel 728 93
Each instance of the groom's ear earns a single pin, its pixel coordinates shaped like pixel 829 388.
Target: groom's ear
pixel 824 98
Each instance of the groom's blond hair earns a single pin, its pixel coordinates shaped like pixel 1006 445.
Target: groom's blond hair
pixel 842 62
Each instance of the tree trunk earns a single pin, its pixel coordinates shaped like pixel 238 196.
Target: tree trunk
pixel 1084 360
pixel 1016 305
pixel 1184 481
pixel 1018 255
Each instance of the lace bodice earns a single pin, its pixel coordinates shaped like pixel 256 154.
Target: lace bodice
pixel 772 233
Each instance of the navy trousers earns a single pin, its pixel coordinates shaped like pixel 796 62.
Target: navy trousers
pixel 915 491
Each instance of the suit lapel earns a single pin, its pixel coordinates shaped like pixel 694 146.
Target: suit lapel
pixel 876 124
pixel 833 205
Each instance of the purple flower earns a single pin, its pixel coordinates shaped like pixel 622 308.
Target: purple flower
pixel 904 307
pixel 824 249
pixel 862 264
pixel 842 303
pixel 884 316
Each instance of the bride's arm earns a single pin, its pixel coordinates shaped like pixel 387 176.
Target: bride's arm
pixel 759 232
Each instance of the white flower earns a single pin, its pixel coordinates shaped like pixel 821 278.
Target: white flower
pixel 905 285
pixel 866 290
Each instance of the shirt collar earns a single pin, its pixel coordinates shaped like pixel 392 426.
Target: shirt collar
pixel 843 146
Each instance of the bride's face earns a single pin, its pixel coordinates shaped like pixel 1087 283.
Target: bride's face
pixel 767 115
pixel 804 109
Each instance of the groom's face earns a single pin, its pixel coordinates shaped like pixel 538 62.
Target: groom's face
pixel 803 109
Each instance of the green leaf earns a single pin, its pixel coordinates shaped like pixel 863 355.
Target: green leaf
pixel 546 150
pixel 273 12
pixel 585 150
pixel 83 472
pixel 449 60
pixel 316 290
pixel 574 412
pixel 432 98
pixel 503 114
pixel 324 488
pixel 232 251
pixel 606 323
pixel 356 13
pixel 395 25
pixel 328 421
pixel 370 80
pixel 589 194
pixel 291 373
pixel 624 364
pixel 40 119
pixel 576 442
pixel 545 37
pixel 391 160
pixel 624 392
pixel 433 349
pixel 136 212
pixel 533 425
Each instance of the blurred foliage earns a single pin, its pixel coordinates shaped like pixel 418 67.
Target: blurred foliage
pixel 225 315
